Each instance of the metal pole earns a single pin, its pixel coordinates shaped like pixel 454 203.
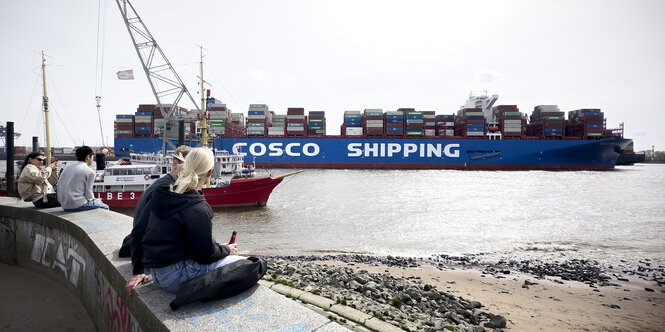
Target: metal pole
pixel 10 159
pixel 35 144
pixel 181 132
pixel 45 105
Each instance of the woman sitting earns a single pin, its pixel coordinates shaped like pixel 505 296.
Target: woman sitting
pixel 35 184
pixel 178 244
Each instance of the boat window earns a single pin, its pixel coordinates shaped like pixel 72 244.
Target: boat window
pixel 114 172
pixel 131 171
pixel 123 172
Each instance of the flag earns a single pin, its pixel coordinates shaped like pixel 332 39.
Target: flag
pixel 126 74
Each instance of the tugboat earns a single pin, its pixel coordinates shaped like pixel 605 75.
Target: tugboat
pixel 231 184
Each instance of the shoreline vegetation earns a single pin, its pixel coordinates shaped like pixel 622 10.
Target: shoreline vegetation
pixel 465 294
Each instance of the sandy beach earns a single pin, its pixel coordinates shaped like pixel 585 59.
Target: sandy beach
pixel 546 306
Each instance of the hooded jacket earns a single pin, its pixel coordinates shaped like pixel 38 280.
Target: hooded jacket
pixel 180 228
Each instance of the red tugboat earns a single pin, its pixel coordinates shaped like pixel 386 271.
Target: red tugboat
pixel 122 184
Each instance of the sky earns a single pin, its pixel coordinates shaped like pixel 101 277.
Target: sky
pixel 335 56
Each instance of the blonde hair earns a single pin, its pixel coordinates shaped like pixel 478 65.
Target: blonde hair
pixel 197 164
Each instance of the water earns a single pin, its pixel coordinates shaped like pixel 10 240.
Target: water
pixel 608 215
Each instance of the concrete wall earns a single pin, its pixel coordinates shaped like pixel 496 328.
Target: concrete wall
pixel 76 249
pixel 80 250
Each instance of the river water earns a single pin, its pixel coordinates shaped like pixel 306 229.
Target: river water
pixel 607 215
pixel 603 215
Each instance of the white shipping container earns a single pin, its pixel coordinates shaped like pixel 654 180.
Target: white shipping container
pixel 275 131
pixel 295 117
pixel 450 132
pixel 430 124
pixel 512 125
pixel 374 125
pixel 512 121
pixel 474 133
pixel 430 132
pixel 394 113
pixel 143 118
pixel 512 130
pixel 351 112
pixel 354 131
pixel 548 108
pixel 289 129
pixel 374 122
pixel 450 124
pixel 262 117
pixel 124 120
pixel 473 113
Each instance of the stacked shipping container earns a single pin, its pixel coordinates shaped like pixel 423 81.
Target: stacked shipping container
pixel 546 121
pixel 373 122
pixel 394 124
pixel 296 122
pixel 316 125
pixel 511 120
pixel 586 123
pixel 258 120
pixel 470 123
pixel 414 122
pixel 445 125
pixel 352 125
pixel 124 126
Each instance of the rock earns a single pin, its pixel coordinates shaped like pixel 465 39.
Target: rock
pixel 612 306
pixel 496 322
pixel 648 289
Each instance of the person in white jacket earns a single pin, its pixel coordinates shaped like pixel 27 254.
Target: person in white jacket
pixel 75 184
pixel 35 183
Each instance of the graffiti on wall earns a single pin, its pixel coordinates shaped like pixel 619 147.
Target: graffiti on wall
pixel 66 259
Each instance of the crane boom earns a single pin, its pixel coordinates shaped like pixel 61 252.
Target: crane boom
pixel 166 85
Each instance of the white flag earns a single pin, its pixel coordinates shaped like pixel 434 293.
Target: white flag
pixel 126 74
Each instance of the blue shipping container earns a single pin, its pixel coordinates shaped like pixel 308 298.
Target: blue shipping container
pixel 124 116
pixel 594 126
pixel 394 129
pixel 143 113
pixel 352 121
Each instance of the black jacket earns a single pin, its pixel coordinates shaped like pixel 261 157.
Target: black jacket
pixel 180 228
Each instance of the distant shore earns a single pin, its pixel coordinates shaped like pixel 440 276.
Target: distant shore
pixel 458 292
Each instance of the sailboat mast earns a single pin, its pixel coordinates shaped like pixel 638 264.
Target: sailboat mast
pixel 204 115
pixel 45 106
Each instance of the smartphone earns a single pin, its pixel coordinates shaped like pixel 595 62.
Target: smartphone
pixel 233 237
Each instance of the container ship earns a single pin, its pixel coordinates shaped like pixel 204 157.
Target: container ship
pixel 479 136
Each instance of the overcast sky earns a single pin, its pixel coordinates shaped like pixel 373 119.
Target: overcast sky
pixel 339 55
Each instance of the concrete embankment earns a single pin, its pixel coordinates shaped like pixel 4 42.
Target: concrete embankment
pixel 79 250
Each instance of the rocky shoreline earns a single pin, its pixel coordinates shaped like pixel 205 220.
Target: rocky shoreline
pixel 413 305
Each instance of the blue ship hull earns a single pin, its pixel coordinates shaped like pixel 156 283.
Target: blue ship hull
pixel 368 153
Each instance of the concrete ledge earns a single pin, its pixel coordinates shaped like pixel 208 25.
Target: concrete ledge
pixel 80 251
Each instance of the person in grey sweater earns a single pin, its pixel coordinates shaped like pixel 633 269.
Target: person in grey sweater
pixel 75 184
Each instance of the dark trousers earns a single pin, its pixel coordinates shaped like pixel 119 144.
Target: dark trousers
pixel 52 202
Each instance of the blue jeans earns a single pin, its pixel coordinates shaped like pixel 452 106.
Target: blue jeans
pixel 91 204
pixel 170 277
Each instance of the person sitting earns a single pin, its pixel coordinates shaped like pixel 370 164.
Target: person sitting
pixel 35 184
pixel 75 184
pixel 141 216
pixel 178 244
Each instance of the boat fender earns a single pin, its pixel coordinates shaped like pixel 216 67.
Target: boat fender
pixel 147 177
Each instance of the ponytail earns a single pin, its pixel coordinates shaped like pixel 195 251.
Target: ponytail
pixel 197 164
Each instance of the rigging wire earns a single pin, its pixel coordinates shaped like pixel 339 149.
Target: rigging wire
pixel 54 109
pixel 101 38
pixel 223 87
